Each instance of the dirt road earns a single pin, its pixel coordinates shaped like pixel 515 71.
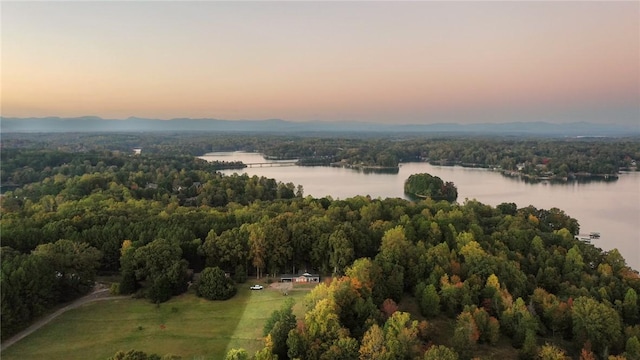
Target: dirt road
pixel 99 293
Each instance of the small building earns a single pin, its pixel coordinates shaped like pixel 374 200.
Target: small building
pixel 300 278
pixel 137 151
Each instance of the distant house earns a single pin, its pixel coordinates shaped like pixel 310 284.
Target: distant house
pixel 301 278
pixel 137 151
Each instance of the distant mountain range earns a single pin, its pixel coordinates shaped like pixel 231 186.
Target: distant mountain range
pixel 133 124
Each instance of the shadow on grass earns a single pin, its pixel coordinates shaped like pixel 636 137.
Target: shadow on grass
pixel 248 332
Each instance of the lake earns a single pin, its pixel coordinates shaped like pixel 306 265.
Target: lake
pixel 610 208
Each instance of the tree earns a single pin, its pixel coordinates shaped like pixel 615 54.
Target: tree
pixel 344 348
pixel 373 344
pixel 278 243
pixel 393 258
pixel 28 289
pixel 440 352
pixel 488 326
pixel 161 269
pixel 369 275
pixel 529 346
pixel 237 354
pixel 597 323
pixel 257 248
pixel 451 294
pixel 278 326
pixel 517 321
pixel 551 352
pixel 214 284
pixel 134 355
pixel 465 335
pixel 429 301
pixel 341 253
pixel 401 336
pixel 320 333
pixel 322 321
pixel 354 307
pixel 574 264
pixel 632 348
pixel 265 354
pixel 630 311
pixel 476 260
pixel 75 265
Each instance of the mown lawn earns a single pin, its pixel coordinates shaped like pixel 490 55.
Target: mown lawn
pixel 186 325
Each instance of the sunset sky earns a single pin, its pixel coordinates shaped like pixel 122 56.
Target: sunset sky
pixel 406 62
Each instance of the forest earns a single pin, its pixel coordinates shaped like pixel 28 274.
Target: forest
pixel 562 159
pixel 80 206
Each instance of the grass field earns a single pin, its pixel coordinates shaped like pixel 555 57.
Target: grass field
pixel 186 325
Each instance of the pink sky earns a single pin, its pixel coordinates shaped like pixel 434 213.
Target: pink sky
pixel 408 62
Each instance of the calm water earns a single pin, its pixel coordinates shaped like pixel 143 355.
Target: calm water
pixel 610 208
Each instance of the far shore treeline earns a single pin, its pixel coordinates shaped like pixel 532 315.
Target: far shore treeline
pixel 85 205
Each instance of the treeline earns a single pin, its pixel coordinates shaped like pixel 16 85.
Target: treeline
pixel 20 167
pixel 533 156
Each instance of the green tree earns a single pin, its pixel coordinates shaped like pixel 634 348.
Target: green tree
pixel 451 294
pixel 632 348
pixel 630 311
pixel 440 352
pixel 574 264
pixel 75 265
pixel 517 321
pixel 134 355
pixel 265 354
pixel 597 323
pixel 278 326
pixel 257 248
pixel 214 284
pixel 488 326
pixel 161 269
pixel 369 275
pixel 529 347
pixel 341 254
pixel 551 352
pixel 465 335
pixel 28 289
pixel 393 258
pixel 373 344
pixel 344 348
pixel 401 336
pixel 429 301
pixel 237 354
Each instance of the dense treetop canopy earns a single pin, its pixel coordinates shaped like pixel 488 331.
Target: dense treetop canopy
pixel 155 219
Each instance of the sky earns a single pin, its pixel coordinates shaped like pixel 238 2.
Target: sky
pixel 415 62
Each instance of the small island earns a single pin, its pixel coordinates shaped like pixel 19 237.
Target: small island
pixel 427 186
